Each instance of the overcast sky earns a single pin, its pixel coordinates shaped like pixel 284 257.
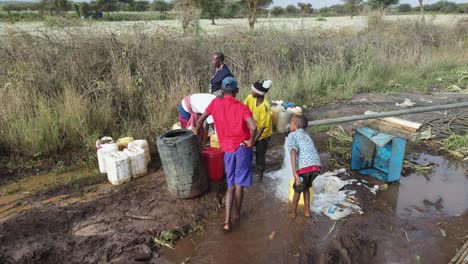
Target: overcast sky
pixel 322 3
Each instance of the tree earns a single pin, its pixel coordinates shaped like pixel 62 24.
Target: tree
pixel 306 8
pixel 403 8
pixel 253 6
pixel 138 6
pixel 107 5
pixel 352 6
pixel 232 9
pixel 61 6
pixel 85 8
pixel 381 5
pixel 211 9
pixel 187 11
pixel 421 6
pixel 291 10
pixel 161 6
pixel 277 11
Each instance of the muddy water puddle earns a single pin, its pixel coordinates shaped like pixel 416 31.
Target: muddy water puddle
pixel 266 234
pixel 442 190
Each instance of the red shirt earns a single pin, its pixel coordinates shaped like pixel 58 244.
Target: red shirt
pixel 230 117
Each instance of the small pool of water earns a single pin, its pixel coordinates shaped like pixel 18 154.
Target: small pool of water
pixel 443 190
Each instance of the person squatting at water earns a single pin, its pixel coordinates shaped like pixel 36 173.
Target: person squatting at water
pixel 191 108
pixel 305 162
pixel 220 71
pixel 261 110
pixel 236 132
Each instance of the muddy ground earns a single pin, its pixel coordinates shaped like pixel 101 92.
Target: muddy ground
pixel 412 222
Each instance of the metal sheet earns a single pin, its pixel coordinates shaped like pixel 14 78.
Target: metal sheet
pixel 379 138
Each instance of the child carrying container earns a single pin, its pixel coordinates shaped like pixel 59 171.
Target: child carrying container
pixel 261 110
pixel 305 162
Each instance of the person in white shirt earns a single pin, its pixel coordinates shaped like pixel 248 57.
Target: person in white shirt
pixel 192 107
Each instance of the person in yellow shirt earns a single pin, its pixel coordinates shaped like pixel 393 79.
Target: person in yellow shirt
pixel 261 110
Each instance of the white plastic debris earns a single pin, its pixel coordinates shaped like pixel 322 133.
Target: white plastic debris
pixel 329 200
pixel 406 103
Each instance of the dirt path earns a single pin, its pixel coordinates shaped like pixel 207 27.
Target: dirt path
pixel 421 219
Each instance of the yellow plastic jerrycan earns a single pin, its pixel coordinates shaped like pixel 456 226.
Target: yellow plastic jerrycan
pixel 214 142
pixel 301 199
pixel 122 143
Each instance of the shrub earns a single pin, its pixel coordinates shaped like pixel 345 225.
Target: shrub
pixel 63 90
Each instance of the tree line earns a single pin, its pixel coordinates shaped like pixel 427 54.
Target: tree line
pixel 191 10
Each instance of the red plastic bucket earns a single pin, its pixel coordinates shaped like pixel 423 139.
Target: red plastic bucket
pixel 214 163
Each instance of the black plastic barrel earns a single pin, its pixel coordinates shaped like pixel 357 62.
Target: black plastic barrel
pixel 180 153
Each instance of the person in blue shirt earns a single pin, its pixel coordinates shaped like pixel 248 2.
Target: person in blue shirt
pixel 220 71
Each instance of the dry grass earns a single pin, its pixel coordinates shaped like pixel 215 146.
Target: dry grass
pixel 63 89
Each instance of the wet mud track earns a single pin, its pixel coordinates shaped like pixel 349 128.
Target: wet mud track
pixel 421 219
pixel 398 225
pixel 116 227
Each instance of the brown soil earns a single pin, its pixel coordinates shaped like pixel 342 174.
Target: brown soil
pixel 117 224
pixel 116 227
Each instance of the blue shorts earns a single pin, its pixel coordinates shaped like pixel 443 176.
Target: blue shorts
pixel 238 166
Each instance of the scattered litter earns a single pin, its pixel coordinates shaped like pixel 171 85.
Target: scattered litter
pixel 444 234
pixel 159 242
pixel 271 236
pixel 409 167
pixel 331 230
pixel 406 103
pixel 329 200
pixel 425 100
pixel 406 235
pixel 383 187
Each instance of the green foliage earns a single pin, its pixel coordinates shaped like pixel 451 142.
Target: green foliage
pixel 305 8
pixel 212 8
pixel 291 10
pixel 403 8
pixel 64 91
pixel 138 6
pixel 352 6
pixel 443 7
pixel 232 9
pixel 320 18
pixel 456 142
pixel 13 16
pixel 21 7
pixel 161 6
pixel 277 11
pixel 381 4
pixel 253 6
pixel 107 5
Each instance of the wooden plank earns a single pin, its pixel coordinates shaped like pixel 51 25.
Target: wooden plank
pixel 377 125
pixel 399 123
pixel 459 256
pixel 463 257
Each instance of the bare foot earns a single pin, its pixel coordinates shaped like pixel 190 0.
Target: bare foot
pixel 227 227
pixel 293 215
pixel 236 217
pixel 307 215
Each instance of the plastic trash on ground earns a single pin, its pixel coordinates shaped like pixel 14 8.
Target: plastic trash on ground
pixel 329 200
